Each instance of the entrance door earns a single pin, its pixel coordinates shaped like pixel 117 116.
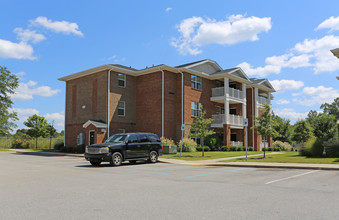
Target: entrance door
pixel 91 137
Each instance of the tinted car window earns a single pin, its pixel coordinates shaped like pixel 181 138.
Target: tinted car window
pixel 153 138
pixel 143 138
pixel 133 139
pixel 118 138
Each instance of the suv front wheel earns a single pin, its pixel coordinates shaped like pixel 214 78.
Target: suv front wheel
pixel 116 159
pixel 153 157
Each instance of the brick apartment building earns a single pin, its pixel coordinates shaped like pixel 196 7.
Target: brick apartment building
pixel 113 98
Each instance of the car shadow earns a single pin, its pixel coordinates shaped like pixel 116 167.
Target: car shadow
pixel 124 164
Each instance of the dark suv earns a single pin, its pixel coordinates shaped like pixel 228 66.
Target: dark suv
pixel 126 146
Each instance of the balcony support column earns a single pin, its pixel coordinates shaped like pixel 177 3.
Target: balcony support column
pixel 256 101
pixel 226 103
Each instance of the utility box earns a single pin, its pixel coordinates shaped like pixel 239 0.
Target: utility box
pixel 169 149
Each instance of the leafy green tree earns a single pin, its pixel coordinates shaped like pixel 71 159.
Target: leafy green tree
pixel 312 117
pixel 324 127
pixel 21 133
pixel 51 132
pixel 302 131
pixel 201 127
pixel 8 83
pixel 283 128
pixel 264 124
pixel 37 127
pixel 332 109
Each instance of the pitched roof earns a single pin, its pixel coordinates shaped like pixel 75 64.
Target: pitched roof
pixel 189 64
pixel 97 124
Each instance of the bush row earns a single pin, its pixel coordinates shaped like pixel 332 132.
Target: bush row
pixel 271 149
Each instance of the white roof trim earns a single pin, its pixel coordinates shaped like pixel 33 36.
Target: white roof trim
pixel 95 123
pixel 205 61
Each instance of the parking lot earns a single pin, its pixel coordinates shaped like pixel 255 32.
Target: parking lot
pixel 53 187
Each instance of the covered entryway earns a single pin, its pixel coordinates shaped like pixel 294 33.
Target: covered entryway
pixel 95 132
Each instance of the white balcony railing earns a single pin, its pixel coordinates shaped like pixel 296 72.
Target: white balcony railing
pixel 262 100
pixel 236 120
pixel 233 119
pixel 234 93
pixel 237 144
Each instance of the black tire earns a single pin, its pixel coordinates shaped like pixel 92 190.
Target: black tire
pixel 116 159
pixel 153 157
pixel 95 163
pixel 133 161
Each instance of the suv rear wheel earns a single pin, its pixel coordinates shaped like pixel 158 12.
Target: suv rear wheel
pixel 153 157
pixel 116 159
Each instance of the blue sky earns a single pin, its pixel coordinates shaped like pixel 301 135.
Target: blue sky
pixel 287 42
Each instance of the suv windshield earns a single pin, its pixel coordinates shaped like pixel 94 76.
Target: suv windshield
pixel 118 138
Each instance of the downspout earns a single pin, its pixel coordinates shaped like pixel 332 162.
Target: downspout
pixel 162 102
pixel 108 100
pixel 182 97
pixel 253 117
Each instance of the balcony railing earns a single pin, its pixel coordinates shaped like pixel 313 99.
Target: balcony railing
pixel 233 119
pixel 262 100
pixel 234 93
pixel 237 144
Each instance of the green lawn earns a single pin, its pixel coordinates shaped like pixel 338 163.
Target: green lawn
pixel 208 155
pixel 3 149
pixel 287 157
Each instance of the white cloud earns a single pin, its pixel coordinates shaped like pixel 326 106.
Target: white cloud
pixel 20 73
pixel 274 64
pixel 26 91
pixel 29 35
pixel 290 114
pixel 284 85
pixel 316 95
pixel 57 26
pixel 55 116
pixel 24 113
pixel 197 31
pixel 282 102
pixel 331 23
pixel 168 9
pixel 20 50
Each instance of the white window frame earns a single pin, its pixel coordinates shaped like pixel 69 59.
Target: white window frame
pixel 124 80
pixel 121 108
pixel 197 109
pixel 122 131
pixel 195 82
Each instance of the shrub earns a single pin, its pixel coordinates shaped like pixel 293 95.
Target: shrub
pixel 20 143
pixel 312 148
pixel 215 148
pixel 166 141
pixel 213 140
pixel 250 148
pixel 225 148
pixel 58 146
pixel 232 148
pixel 269 149
pixel 206 148
pixel 332 148
pixel 188 145
pixel 240 149
pixel 276 149
pixel 282 145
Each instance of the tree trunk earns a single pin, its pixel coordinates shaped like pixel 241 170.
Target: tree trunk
pixel 202 141
pixel 36 143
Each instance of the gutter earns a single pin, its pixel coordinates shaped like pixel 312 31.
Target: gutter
pixel 108 100
pixel 162 102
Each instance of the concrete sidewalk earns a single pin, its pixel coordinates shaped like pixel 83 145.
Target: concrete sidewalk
pixel 213 162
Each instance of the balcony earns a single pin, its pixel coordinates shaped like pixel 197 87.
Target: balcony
pixel 218 94
pixel 262 101
pixel 234 120
pixel 237 144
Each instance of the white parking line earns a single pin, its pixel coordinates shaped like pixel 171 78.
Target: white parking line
pixel 292 176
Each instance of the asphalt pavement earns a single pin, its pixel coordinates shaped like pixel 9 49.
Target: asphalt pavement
pixel 58 187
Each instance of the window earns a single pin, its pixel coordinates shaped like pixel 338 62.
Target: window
pixel 153 138
pixel 219 84
pixel 133 139
pixel 233 111
pixel 143 138
pixel 121 80
pixel 121 108
pixel 195 109
pixel 233 137
pixel 195 82
pixel 233 85
pixel 121 131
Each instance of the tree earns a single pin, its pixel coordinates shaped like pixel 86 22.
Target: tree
pixel 302 131
pixel 324 127
pixel 21 133
pixel 200 127
pixel 283 128
pixel 51 131
pixel 8 83
pixel 312 117
pixel 37 127
pixel 264 124
pixel 332 109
